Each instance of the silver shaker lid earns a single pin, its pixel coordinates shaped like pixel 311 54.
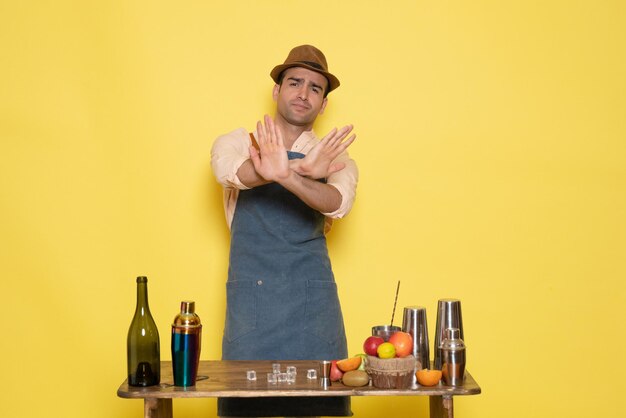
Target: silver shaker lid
pixel 452 340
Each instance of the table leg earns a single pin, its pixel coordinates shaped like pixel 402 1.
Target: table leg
pixel 157 408
pixel 441 407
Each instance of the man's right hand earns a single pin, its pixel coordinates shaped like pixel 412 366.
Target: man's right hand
pixel 270 161
pixel 317 163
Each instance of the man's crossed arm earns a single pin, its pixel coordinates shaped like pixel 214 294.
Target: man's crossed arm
pixel 271 164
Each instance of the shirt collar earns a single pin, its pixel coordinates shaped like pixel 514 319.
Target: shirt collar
pixel 305 141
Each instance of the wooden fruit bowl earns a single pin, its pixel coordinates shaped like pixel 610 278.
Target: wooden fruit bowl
pixel 393 373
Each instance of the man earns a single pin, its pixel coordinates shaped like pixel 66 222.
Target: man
pixel 282 188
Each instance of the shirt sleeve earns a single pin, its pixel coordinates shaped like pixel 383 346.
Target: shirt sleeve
pixel 229 151
pixel 345 182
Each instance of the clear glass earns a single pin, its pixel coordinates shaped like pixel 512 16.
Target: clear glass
pixel 276 368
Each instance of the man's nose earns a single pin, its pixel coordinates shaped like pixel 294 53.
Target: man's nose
pixel 303 94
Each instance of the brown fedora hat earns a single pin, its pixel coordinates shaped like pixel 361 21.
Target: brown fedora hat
pixel 309 57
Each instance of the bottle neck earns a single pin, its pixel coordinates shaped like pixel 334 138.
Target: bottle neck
pixel 142 299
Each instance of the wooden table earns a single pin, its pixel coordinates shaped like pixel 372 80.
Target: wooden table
pixel 228 379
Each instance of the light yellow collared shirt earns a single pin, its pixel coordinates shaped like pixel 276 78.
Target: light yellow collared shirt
pixel 232 149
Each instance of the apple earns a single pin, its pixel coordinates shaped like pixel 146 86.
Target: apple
pixel 403 343
pixel 371 345
pixel 335 373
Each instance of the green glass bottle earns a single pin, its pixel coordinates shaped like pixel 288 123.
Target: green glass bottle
pixel 144 361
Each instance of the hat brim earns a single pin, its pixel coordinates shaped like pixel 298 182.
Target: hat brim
pixel 333 82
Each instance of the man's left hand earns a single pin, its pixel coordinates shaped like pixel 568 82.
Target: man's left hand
pixel 318 163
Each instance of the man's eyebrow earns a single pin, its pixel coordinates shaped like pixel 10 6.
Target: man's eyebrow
pixel 300 80
pixel 318 86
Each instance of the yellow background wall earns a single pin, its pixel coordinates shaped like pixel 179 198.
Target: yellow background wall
pixel 491 144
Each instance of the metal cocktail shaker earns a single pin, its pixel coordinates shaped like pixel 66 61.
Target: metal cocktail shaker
pixel 414 322
pixel 448 316
pixel 186 338
pixel 453 350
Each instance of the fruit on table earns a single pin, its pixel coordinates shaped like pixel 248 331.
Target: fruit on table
pixel 371 344
pixel 363 361
pixel 403 342
pixel 335 373
pixel 356 378
pixel 349 364
pixel 386 350
pixel 427 377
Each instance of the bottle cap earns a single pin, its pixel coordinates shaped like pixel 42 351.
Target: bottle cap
pixel 187 306
pixel 142 279
pixel 453 333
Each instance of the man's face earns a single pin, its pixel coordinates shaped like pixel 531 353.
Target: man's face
pixel 300 97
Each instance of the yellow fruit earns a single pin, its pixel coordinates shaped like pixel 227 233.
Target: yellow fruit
pixel 386 350
pixel 349 364
pixel 427 377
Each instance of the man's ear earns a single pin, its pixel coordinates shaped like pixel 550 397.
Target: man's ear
pixel 275 92
pixel 324 103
